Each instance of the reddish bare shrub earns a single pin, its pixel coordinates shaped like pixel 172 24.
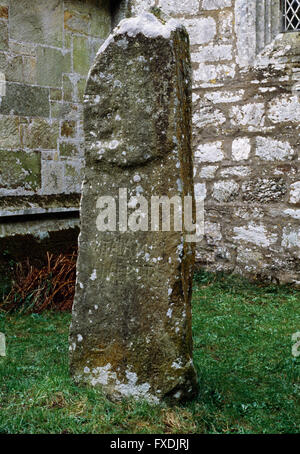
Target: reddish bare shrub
pixel 50 287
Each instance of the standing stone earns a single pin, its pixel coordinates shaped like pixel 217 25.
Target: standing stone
pixel 131 326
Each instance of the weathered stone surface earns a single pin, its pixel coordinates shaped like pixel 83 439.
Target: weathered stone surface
pixel 81 55
pixel 201 30
pixel 209 152
pixel 264 190
pixel 19 169
pixel 241 149
pixel 12 68
pixel 3 36
pixel 52 177
pixel 4 12
pixel 216 4
pixel 92 17
pixel 52 63
pixel 257 234
pixel 178 6
pixel 41 134
pixel 25 101
pixel 273 150
pixel 131 324
pixel 68 149
pixel 225 191
pixel 246 104
pixel 295 193
pixel 36 21
pixel 9 132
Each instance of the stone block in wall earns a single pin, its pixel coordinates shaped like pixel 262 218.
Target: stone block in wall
pixel 295 214
pixel 241 149
pixel 225 191
pixel 52 177
pixel 68 88
pixel 179 7
pixel 213 53
pixel 216 4
pixel 295 193
pixel 73 176
pixel 207 121
pixel 101 23
pixel 51 64
pixel 212 233
pixel 12 67
pixel 235 171
pixel 68 129
pixel 202 30
pixel 89 18
pixel 250 259
pixel 224 97
pixel 264 190
pixel 249 116
pixel 140 6
pixel 257 234
pixel 18 68
pixel 284 109
pixel 226 22
pixel 9 132
pixel 213 74
pixel 206 172
pixel 284 169
pixel 69 149
pixel 291 237
pixel 269 149
pixel 81 55
pixel 20 169
pixel 40 134
pixel 3 36
pixel 65 111
pixel 209 152
pixel 55 94
pixel 4 11
pixel 29 70
pixel 76 21
pixel 25 101
pixel 81 83
pixel 22 48
pixel 37 22
pixel 68 40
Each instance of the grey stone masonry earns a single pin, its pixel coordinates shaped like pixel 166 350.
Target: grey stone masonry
pixel 246 85
pixel 246 111
pixel 46 49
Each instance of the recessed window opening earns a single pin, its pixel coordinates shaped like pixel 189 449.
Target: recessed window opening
pixel 291 15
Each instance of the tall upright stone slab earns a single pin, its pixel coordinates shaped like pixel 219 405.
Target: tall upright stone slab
pixel 131 324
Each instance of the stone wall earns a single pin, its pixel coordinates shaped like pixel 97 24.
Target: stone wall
pixel 46 49
pixel 246 134
pixel 246 118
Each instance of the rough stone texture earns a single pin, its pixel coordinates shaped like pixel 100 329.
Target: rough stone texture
pixel 20 169
pixel 46 49
pixel 245 135
pixel 131 324
pixel 36 21
pixel 245 101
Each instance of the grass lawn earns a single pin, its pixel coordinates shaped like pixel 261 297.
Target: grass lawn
pixel 249 379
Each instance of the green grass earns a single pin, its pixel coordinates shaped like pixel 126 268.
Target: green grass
pixel 249 380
